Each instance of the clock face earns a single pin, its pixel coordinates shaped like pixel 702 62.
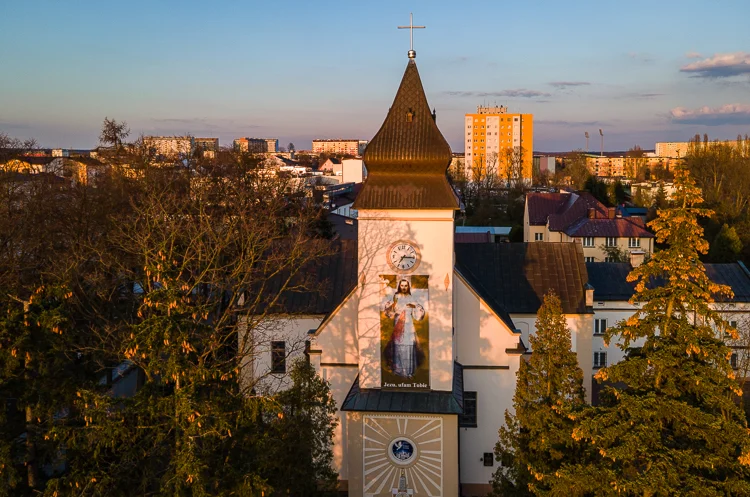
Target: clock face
pixel 403 256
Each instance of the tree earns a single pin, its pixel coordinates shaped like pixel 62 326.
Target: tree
pixel 537 440
pixel 670 424
pixel 113 133
pixel 290 147
pixel 575 168
pixel 614 253
pixel 598 189
pixel 726 247
pixel 300 437
pixel 152 274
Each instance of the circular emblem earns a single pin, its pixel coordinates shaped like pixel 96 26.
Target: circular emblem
pixel 402 451
pixel 403 256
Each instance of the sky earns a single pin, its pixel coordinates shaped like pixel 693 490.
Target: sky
pixel 642 71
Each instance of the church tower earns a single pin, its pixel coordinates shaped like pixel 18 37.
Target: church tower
pixel 402 409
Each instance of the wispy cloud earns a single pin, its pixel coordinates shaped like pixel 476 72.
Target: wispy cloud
pixel 567 84
pixel 693 55
pixel 514 93
pixel 641 57
pixel 713 116
pixel 722 65
pixel 562 122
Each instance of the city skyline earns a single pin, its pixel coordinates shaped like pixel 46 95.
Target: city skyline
pixel 303 71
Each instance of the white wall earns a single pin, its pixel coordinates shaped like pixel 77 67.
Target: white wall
pixel 432 232
pixel 481 342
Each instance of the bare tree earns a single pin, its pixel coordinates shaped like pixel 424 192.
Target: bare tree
pixel 113 132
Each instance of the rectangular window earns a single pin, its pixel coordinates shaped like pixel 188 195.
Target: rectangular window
pixel 609 259
pixel 538 237
pixel 733 360
pixel 588 241
pixel 589 259
pixel 488 459
pixel 600 359
pixel 611 241
pixel 634 242
pixel 278 357
pixel 733 325
pixel 469 418
pixel 600 326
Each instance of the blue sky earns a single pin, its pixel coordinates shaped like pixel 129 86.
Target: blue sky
pixel 297 70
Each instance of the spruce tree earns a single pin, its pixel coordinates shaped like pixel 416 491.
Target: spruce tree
pixel 726 246
pixel 670 424
pixel 537 440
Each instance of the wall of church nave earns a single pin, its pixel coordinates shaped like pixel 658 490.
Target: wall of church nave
pixel 481 338
pixel 379 236
pixel 581 336
pixel 494 393
pixel 336 339
pixel 383 445
pixel 340 380
pixel 269 349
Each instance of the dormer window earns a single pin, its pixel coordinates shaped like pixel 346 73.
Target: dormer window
pixel 409 116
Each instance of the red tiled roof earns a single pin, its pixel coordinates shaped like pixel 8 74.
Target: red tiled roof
pixel 617 227
pixel 541 205
pixel 574 209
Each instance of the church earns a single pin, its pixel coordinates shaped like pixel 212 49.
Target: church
pixel 419 340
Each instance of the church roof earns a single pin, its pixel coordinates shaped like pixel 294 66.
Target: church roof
pixel 423 402
pixel 514 277
pixel 408 157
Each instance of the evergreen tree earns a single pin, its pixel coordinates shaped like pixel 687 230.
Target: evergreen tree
pixel 537 440
pixel 670 424
pixel 298 454
pixel 726 246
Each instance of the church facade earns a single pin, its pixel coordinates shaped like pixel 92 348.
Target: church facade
pixel 417 340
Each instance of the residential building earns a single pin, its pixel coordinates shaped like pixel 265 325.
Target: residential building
pixel 672 149
pixel 499 140
pixel 579 217
pixel 611 305
pixel 208 146
pixel 257 145
pixel 339 146
pixel 545 164
pixel 170 146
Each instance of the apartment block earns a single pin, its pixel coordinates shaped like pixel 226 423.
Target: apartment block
pixel 256 145
pixel 339 146
pixel 501 140
pixel 170 146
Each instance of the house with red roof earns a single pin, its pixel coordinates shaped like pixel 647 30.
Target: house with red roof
pixel 579 217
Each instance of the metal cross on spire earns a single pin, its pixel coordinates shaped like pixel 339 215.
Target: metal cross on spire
pixel 411 27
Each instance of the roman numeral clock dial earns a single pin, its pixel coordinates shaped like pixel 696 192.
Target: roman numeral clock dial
pixel 403 256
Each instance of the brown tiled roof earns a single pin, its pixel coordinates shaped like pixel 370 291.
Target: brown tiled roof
pixel 405 191
pixel 408 157
pixel 617 227
pixel 518 275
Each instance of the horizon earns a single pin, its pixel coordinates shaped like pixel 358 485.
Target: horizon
pixel 650 73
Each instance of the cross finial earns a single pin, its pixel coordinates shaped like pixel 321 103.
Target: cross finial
pixel 411 27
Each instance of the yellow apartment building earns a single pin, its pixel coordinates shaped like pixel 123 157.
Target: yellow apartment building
pixel 495 137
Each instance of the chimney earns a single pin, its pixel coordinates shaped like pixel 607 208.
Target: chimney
pixel 611 212
pixel 592 213
pixel 637 257
pixel 589 290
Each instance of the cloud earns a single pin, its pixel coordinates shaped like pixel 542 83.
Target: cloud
pixel 561 122
pixel 515 93
pixel 566 84
pixel 693 55
pixel 735 114
pixel 720 66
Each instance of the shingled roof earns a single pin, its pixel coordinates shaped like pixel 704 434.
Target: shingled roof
pixel 618 227
pixel 610 284
pixel 408 157
pixel 516 276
